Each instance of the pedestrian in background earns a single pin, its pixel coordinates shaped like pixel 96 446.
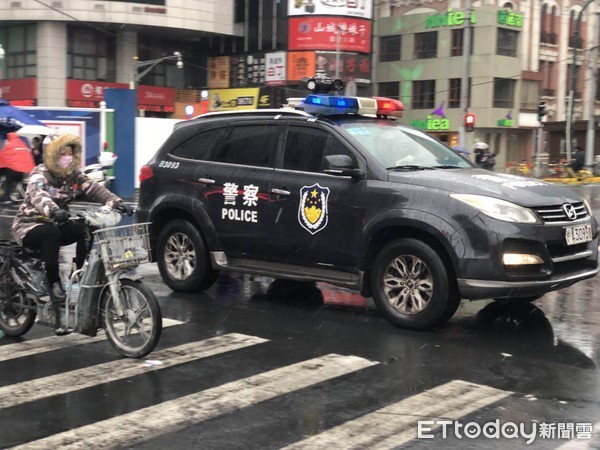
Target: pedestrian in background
pixel 16 161
pixel 483 158
pixel 578 160
pixel 37 150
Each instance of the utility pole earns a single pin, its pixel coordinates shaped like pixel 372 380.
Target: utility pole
pixel 591 127
pixel 338 43
pixel 571 107
pixel 464 82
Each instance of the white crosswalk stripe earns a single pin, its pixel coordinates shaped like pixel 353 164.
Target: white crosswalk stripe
pixel 52 343
pixel 175 414
pixel 74 380
pixel 396 424
pixel 389 427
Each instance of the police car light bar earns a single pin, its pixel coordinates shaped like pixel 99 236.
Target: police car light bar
pixel 389 107
pixel 329 105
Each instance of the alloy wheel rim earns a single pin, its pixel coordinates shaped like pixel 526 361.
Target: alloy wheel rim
pixel 180 256
pixel 408 284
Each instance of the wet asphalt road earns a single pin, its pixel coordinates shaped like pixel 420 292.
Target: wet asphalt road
pixel 534 365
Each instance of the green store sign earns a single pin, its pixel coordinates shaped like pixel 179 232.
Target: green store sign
pixel 512 19
pixel 448 19
pixel 431 124
pixel 506 123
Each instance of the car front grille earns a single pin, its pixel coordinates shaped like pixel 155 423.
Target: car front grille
pixel 551 214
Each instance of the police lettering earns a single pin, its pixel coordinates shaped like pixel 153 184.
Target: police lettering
pixel 239 215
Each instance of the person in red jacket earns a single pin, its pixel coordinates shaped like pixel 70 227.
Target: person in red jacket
pixel 15 161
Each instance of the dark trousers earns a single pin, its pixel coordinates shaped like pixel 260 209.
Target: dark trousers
pixel 48 238
pixel 11 178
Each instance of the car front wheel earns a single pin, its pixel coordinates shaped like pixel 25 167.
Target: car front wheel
pixel 411 287
pixel 182 258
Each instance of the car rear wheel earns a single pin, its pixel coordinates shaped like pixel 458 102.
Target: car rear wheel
pixel 411 287
pixel 182 258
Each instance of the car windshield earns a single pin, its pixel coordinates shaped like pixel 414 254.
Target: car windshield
pixel 401 148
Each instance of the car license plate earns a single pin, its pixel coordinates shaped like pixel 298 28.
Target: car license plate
pixel 578 234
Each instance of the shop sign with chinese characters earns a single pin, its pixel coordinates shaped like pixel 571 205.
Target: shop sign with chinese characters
pixel 275 68
pixel 354 8
pixel 323 33
pixel 248 70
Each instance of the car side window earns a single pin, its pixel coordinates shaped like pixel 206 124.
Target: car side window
pixel 305 148
pixel 199 147
pixel 252 145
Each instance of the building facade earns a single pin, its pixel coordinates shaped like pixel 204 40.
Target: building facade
pixel 252 53
pixel 66 52
pixel 521 55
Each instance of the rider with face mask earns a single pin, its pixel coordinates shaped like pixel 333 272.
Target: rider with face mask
pixel 42 222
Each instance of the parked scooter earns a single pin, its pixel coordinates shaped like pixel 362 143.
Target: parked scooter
pixel 101 172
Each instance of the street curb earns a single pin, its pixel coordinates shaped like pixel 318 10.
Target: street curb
pixel 591 180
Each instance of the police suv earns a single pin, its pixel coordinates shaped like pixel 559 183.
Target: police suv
pixel 341 192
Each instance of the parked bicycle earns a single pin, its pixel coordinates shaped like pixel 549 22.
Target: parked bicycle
pixel 104 294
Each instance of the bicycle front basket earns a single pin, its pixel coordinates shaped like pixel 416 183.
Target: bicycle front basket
pixel 124 247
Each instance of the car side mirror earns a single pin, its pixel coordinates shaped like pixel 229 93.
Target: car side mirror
pixel 341 165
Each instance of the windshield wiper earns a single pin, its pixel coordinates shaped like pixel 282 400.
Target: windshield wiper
pixel 408 167
pixel 446 166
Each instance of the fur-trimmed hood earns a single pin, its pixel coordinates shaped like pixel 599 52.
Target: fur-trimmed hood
pixel 52 154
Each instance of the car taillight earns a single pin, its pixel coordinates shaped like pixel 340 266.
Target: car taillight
pixel 145 173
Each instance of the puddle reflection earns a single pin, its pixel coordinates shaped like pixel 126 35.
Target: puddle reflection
pixel 524 329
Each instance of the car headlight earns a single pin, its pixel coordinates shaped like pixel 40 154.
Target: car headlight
pixel 498 209
pixel 589 208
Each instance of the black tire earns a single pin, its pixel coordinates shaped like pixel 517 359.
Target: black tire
pixel 17 315
pixel 418 280
pixel 182 258
pixel 138 337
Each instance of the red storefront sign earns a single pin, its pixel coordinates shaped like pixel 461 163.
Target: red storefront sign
pixel 89 94
pixel 155 98
pixel 322 33
pixel 19 92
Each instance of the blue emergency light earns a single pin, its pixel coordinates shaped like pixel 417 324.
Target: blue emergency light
pixel 329 105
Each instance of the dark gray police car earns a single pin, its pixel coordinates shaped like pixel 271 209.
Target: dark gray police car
pixel 341 192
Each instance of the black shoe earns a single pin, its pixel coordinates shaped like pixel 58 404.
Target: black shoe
pixel 57 293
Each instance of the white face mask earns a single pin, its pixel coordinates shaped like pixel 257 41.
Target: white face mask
pixel 65 161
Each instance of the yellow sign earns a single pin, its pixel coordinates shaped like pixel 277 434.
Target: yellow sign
pixel 233 99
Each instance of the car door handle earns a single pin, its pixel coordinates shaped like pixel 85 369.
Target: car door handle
pixel 205 180
pixel 280 191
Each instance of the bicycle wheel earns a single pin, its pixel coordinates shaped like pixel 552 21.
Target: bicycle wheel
pixel 137 331
pixel 17 311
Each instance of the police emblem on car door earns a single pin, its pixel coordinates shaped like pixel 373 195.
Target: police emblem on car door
pixel 312 212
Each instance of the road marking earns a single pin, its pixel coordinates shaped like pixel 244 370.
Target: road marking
pixel 396 424
pixel 86 377
pixel 51 343
pixel 170 416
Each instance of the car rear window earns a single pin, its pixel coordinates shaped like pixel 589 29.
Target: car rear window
pixel 252 145
pixel 201 146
